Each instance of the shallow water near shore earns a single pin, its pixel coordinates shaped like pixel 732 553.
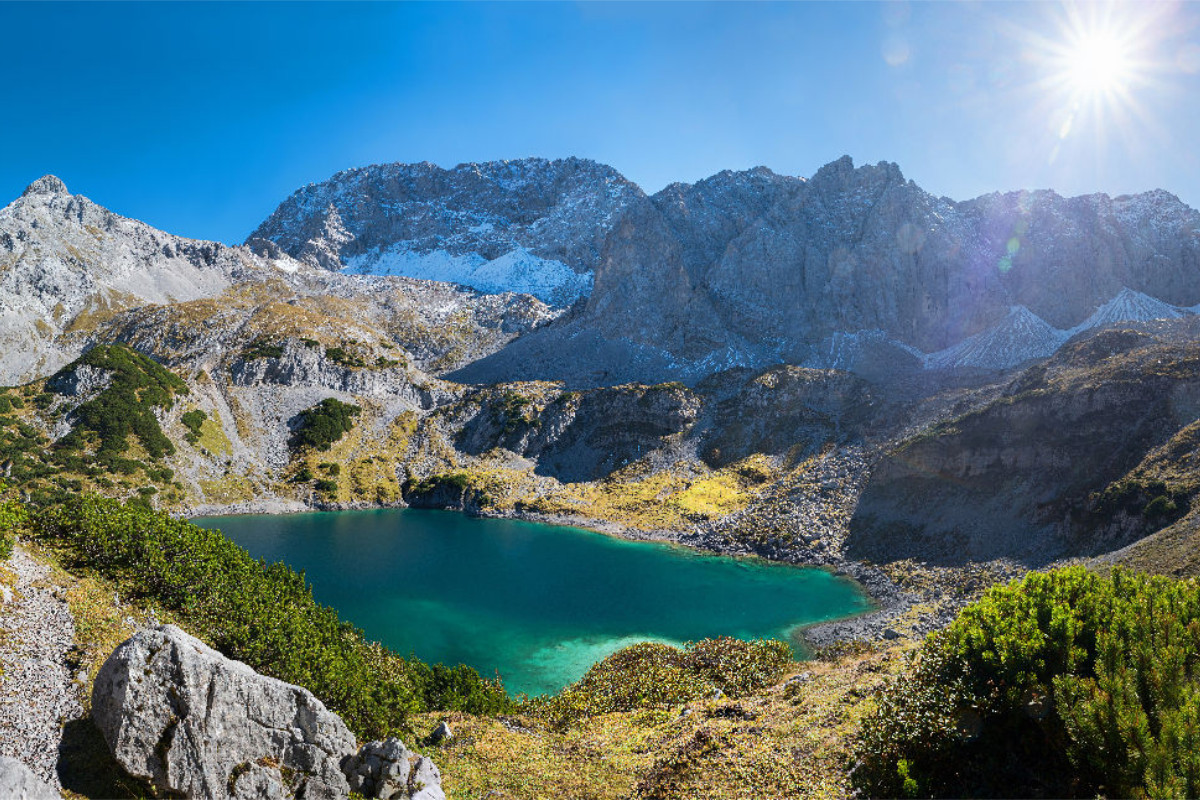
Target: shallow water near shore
pixel 537 603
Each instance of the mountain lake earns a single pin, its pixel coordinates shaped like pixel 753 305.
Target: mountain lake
pixel 537 603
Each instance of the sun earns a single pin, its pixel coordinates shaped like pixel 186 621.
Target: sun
pixel 1097 62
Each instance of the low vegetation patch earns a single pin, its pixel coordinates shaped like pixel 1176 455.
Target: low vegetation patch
pixel 261 614
pixel 654 675
pixel 262 348
pixel 1067 683
pixel 194 422
pixel 126 406
pixel 345 358
pixel 325 423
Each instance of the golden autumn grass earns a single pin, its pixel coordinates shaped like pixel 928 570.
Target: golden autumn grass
pixel 792 741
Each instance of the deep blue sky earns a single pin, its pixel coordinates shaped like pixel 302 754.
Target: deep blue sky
pixel 200 118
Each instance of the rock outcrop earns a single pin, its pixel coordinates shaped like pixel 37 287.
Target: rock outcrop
pixel 17 782
pixel 194 723
pixel 391 771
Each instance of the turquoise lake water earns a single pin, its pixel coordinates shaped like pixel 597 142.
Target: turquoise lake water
pixel 538 603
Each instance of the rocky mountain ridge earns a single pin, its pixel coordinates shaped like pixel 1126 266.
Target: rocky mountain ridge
pixel 747 268
pixel 532 226
pixel 73 273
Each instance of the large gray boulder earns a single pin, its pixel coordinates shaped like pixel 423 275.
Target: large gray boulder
pixel 390 771
pixel 17 782
pixel 194 723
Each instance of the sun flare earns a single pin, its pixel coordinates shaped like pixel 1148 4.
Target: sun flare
pixel 1098 62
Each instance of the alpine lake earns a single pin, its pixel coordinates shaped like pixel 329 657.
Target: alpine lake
pixel 538 604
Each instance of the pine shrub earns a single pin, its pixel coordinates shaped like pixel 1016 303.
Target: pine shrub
pixel 259 613
pixel 1068 683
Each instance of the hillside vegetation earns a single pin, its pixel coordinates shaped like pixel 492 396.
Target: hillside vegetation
pixel 262 614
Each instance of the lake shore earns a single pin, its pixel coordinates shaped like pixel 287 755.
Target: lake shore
pixel 889 619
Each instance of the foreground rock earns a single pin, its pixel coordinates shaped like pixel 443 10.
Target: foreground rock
pixel 17 782
pixel 179 714
pixel 390 770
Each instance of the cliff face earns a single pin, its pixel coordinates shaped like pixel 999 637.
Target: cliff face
pixel 1067 460
pixel 752 268
pixel 532 225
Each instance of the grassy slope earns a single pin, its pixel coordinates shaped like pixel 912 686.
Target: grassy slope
pixel 791 741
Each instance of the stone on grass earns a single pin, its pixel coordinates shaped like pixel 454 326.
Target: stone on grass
pixel 390 771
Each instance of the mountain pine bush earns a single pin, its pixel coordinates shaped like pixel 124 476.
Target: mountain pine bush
pixel 1068 683
pixel 259 613
pixel 326 422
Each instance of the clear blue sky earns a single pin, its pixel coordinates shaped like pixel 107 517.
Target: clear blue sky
pixel 200 118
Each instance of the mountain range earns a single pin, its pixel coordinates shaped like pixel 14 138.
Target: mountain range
pixel 741 269
pixel 803 368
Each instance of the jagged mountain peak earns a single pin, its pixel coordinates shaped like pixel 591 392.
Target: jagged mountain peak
pixel 843 170
pixel 531 225
pixel 47 184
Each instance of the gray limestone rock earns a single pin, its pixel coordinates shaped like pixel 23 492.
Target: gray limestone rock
pixel 17 782
pixel 194 723
pixel 389 770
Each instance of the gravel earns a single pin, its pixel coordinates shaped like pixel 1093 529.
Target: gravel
pixel 37 691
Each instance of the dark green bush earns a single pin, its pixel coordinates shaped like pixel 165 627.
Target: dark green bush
pixel 1068 683
pixel 343 357
pixel 330 468
pixel 13 518
pixel 325 486
pixel 262 348
pixel 323 424
pixel 126 406
pixel 193 421
pixel 261 614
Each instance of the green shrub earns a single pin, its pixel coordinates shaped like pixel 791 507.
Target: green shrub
pixel 262 348
pixel 323 424
pixel 193 421
pixel 13 518
pixel 6 405
pixel 325 486
pixel 737 667
pixel 262 614
pixel 330 468
pixel 651 674
pixel 126 406
pixel 343 357
pixel 1065 684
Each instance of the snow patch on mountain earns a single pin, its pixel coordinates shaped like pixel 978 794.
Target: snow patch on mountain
pixel 518 270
